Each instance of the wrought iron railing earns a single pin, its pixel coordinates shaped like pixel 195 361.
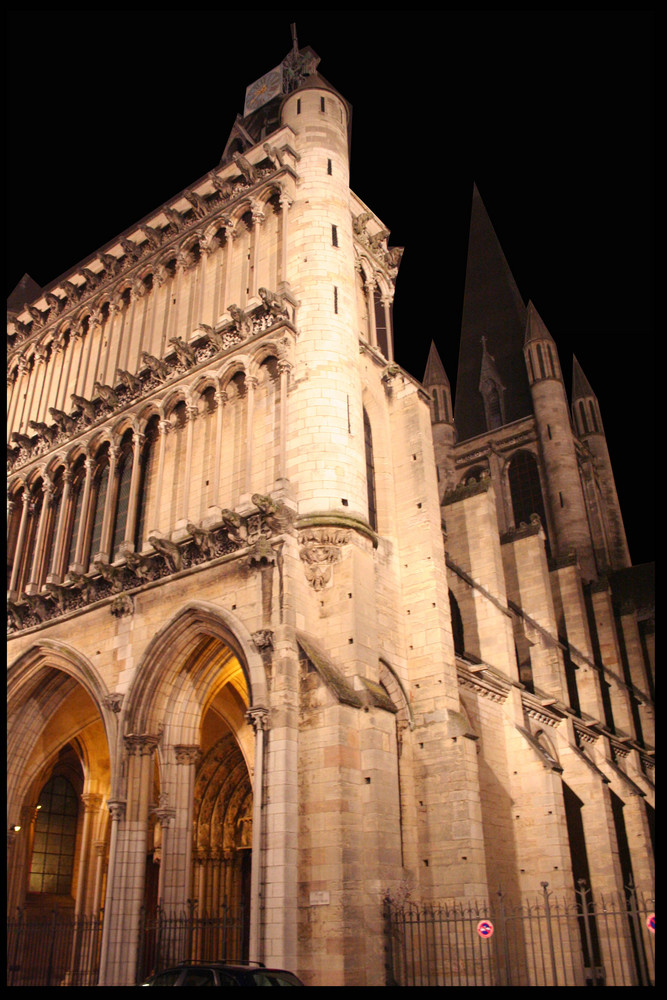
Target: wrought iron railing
pixel 53 949
pixel 548 940
pixel 169 937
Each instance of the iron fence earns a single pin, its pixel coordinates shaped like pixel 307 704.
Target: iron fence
pixel 169 937
pixel 547 940
pixel 53 949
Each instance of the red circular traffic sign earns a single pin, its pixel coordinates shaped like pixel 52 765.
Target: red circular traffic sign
pixel 650 923
pixel 485 928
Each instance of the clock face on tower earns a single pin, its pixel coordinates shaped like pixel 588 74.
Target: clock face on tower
pixel 262 90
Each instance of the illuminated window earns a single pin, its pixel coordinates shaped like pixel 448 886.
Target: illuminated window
pixel 55 837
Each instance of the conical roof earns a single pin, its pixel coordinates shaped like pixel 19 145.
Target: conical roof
pixel 26 291
pixel 581 388
pixel 435 373
pixel 492 308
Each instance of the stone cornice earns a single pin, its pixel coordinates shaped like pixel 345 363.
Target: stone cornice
pixel 153 377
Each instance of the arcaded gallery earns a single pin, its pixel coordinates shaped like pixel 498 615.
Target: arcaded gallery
pixel 311 663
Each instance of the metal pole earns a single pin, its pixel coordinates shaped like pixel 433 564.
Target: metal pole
pixel 547 914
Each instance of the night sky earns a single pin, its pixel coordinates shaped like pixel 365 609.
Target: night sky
pixel 110 113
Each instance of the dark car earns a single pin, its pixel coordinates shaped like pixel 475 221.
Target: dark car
pixel 222 974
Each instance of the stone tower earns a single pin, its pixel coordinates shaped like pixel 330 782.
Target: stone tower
pixel 287 644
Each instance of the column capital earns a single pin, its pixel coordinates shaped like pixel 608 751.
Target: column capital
pixel 140 746
pixel 187 754
pixel 258 716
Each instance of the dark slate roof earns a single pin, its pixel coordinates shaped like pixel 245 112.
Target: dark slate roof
pixel 26 291
pixel 492 308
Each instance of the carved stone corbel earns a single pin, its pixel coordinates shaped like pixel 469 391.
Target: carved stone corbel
pixel 320 549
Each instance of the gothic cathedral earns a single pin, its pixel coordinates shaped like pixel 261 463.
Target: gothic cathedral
pixel 290 634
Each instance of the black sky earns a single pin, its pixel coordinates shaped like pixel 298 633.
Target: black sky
pixel 550 113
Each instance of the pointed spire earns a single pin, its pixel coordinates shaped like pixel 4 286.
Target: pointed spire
pixel 493 308
pixel 435 373
pixel 535 328
pixel 581 388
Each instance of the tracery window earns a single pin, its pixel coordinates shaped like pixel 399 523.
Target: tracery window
pixel 526 490
pixel 97 504
pixel 75 511
pixel 54 843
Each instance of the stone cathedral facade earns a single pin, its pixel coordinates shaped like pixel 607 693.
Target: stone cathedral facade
pixel 287 631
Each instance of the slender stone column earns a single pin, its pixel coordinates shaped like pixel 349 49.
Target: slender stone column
pixel 91 805
pixel 38 553
pixel 20 542
pixel 192 412
pixel 251 384
pixel 257 219
pixel 386 303
pixel 284 367
pixel 58 554
pixel 83 520
pixel 369 286
pixel 117 812
pixel 221 399
pixel 137 443
pixel 164 426
pixel 165 815
pixel 259 717
pixel 109 505
pixel 177 854
pixel 285 202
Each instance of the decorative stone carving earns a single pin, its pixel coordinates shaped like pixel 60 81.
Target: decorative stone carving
pixel 85 405
pixel 204 539
pixel 184 352
pixel 156 365
pixel 129 380
pixel 233 526
pixel 248 171
pixel 169 551
pixel 263 638
pixel 141 566
pixel 273 303
pixel 186 754
pixel 45 432
pixel 223 187
pixel 140 746
pixel 106 394
pixel 122 606
pixel 199 204
pixel 319 549
pixel 63 420
pixel 112 574
pixel 114 702
pixel 240 319
pixel 275 155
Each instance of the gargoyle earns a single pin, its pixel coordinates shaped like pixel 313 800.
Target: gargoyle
pixel 184 352
pixel 275 155
pixel 154 236
pixel 169 551
pixel 224 188
pixel 242 322
pixel 55 303
pixel 272 303
pixel 59 594
pixel 141 566
pixel 275 515
pixel 249 172
pixel 83 584
pixel 63 420
pixel 111 263
pixel 233 526
pixel 158 367
pixel 47 432
pixel 112 574
pixel 22 440
pixel 106 394
pixel 18 612
pixel 173 217
pixel 199 204
pixel 204 539
pixel 40 606
pixel 131 248
pixel 129 380
pixel 84 405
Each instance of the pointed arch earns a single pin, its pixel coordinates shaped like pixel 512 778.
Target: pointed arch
pixel 148 704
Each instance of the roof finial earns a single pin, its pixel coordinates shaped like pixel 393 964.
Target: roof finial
pixel 295 41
